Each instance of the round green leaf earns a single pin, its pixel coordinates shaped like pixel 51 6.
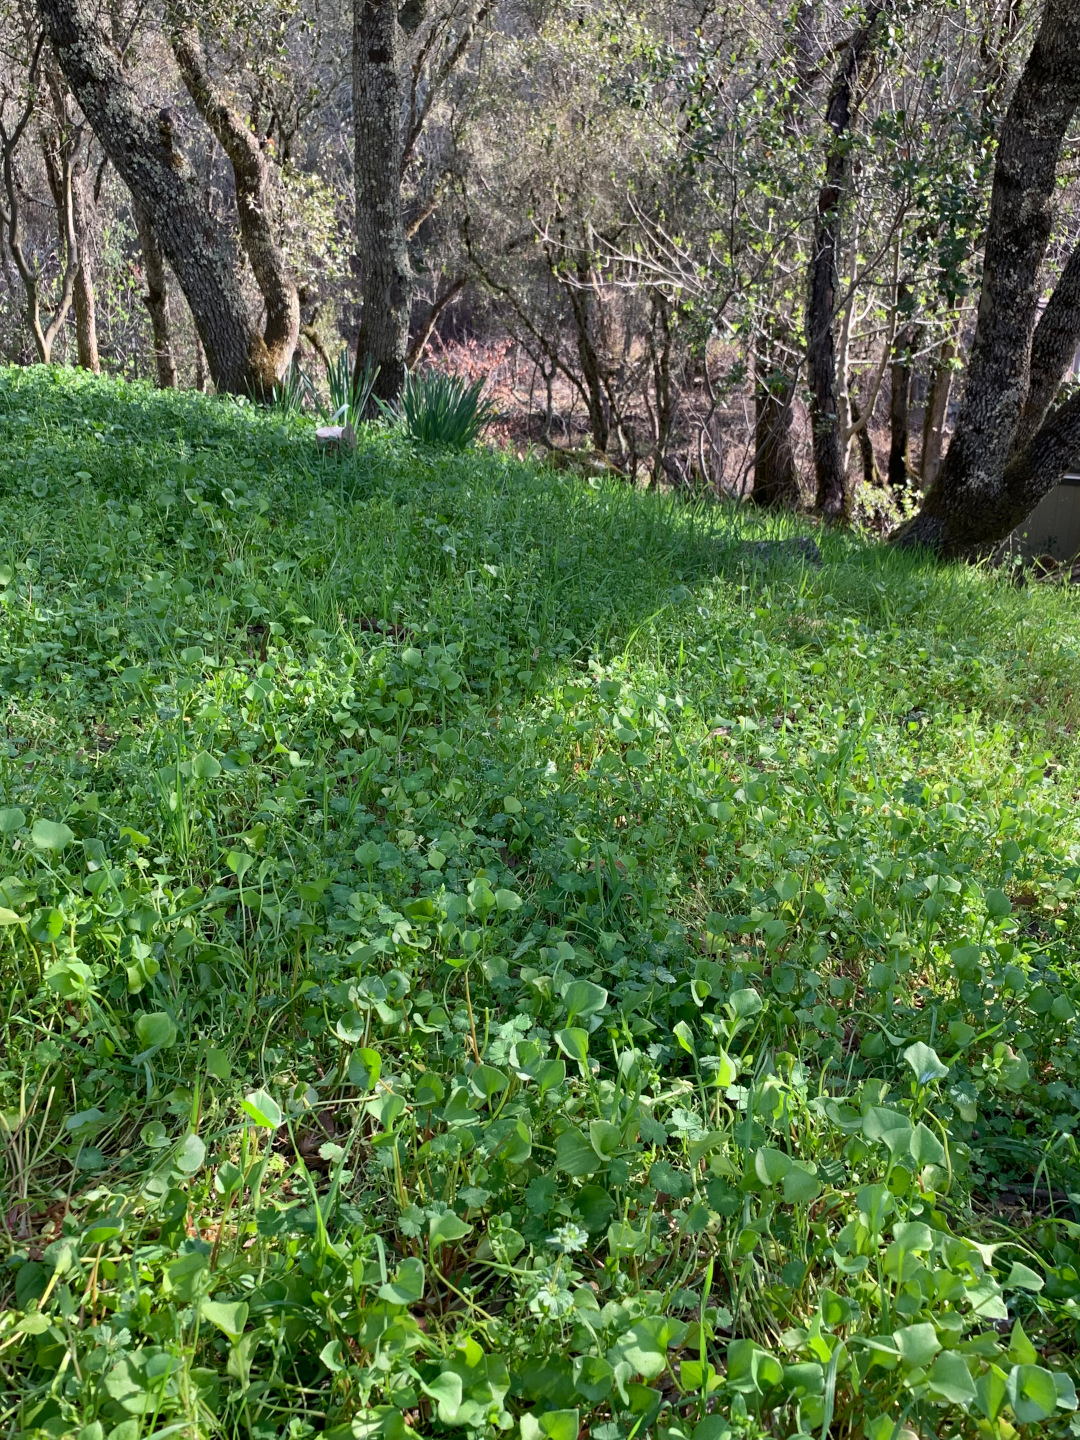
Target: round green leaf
pixel 447 1392
pixel 574 1154
pixel 605 1138
pixel 407 1286
pixel 574 1043
pixel 486 1081
pixel 446 1229
pixel 950 1379
pixel 155 1031
pixel 800 1185
pixel 190 1156
pixel 263 1109
pixel 771 1166
pixel 1032 1393
pixel 230 1317
pixel 1023 1278
pixel 925 1147
pixel 11 819
pixel 582 997
pixel 926 1063
pixel 49 835
pixel 365 1067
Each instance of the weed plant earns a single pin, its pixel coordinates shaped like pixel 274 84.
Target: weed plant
pixel 485 954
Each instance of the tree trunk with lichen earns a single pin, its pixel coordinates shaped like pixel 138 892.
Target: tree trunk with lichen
pixel 251 172
pixel 1053 350
pixel 204 255
pixel 1010 447
pixel 386 279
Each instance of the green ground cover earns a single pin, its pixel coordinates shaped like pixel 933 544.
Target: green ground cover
pixel 488 953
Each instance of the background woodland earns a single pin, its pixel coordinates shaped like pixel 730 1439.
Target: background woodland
pixel 733 246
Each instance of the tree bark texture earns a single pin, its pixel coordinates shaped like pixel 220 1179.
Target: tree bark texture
pixel 203 254
pixel 251 172
pixel 776 477
pixel 156 299
pixel 1053 349
pixel 200 365
pixel 832 498
pixel 386 279
pixel 993 476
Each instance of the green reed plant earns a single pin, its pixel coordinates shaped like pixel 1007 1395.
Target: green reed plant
pixel 441 410
pixel 294 392
pixel 350 392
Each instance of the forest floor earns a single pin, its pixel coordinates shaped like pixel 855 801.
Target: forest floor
pixel 488 951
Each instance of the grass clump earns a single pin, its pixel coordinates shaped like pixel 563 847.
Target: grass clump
pixel 441 410
pixel 350 390
pixel 486 954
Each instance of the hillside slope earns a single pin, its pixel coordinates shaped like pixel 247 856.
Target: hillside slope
pixel 491 953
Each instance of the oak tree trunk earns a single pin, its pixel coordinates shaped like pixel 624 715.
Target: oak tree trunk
pixel 203 254
pixel 830 468
pixel 251 172
pixel 200 365
pixel 1053 349
pixel 386 280
pixel 580 296
pixel 659 338
pixel 995 471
